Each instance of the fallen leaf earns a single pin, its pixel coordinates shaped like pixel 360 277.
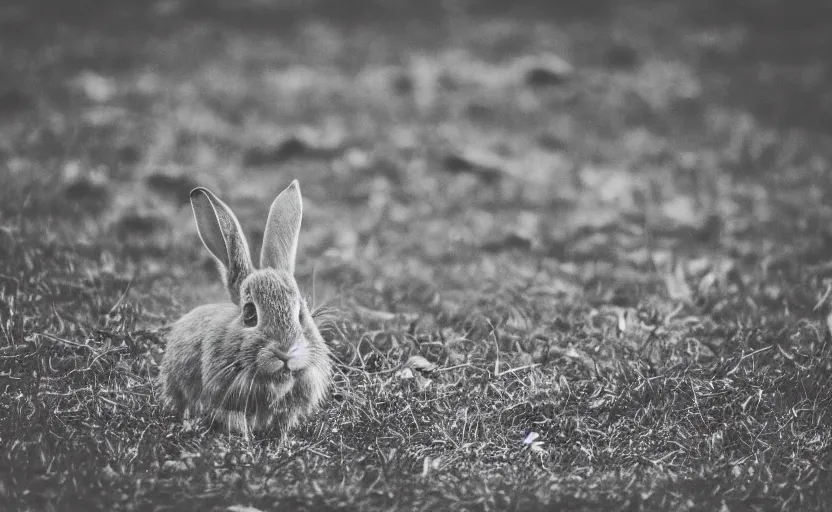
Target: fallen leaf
pixel 289 148
pixel 483 164
pixel 551 142
pixel 95 87
pixel 175 465
pixel 384 316
pixel 108 473
pixel 681 211
pixel 546 70
pixel 510 242
pixel 611 185
pixel 420 363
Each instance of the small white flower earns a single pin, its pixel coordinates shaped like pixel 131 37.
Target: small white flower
pixel 531 437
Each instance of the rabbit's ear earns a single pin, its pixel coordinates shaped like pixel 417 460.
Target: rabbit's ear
pixel 280 241
pixel 222 235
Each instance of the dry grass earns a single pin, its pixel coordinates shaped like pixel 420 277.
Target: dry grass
pixel 598 289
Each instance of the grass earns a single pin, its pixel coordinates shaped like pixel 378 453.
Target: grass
pixel 617 279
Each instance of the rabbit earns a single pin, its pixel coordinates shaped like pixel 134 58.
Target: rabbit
pixel 257 362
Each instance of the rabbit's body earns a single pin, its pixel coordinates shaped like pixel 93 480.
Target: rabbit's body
pixel 258 362
pixel 182 376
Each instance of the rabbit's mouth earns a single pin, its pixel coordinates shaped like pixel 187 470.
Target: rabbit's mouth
pixel 277 363
pixel 274 368
pixel 272 362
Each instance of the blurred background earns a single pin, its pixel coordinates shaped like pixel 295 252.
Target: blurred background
pixel 428 134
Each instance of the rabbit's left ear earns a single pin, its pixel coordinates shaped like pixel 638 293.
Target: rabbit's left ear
pixel 222 235
pixel 280 240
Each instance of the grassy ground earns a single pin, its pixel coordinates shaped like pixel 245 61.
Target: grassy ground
pixel 618 277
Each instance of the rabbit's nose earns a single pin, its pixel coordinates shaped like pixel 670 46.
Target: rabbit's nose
pixel 272 361
pixel 283 356
pixel 272 366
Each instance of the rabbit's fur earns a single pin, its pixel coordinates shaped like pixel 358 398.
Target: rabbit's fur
pixel 248 375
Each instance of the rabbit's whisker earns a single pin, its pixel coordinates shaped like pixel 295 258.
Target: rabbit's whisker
pixel 232 386
pixel 240 392
pixel 248 396
pixel 208 388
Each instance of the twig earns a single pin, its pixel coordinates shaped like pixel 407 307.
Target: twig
pixel 68 342
pixel 496 347
pixel 463 365
pixel 513 370
pixel 737 367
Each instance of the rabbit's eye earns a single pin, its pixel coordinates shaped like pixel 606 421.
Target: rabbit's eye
pixel 249 314
pixel 300 315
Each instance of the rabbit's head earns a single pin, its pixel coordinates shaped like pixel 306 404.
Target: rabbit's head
pixel 271 353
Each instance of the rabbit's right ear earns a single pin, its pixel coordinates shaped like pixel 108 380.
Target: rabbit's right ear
pixel 222 235
pixel 280 241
